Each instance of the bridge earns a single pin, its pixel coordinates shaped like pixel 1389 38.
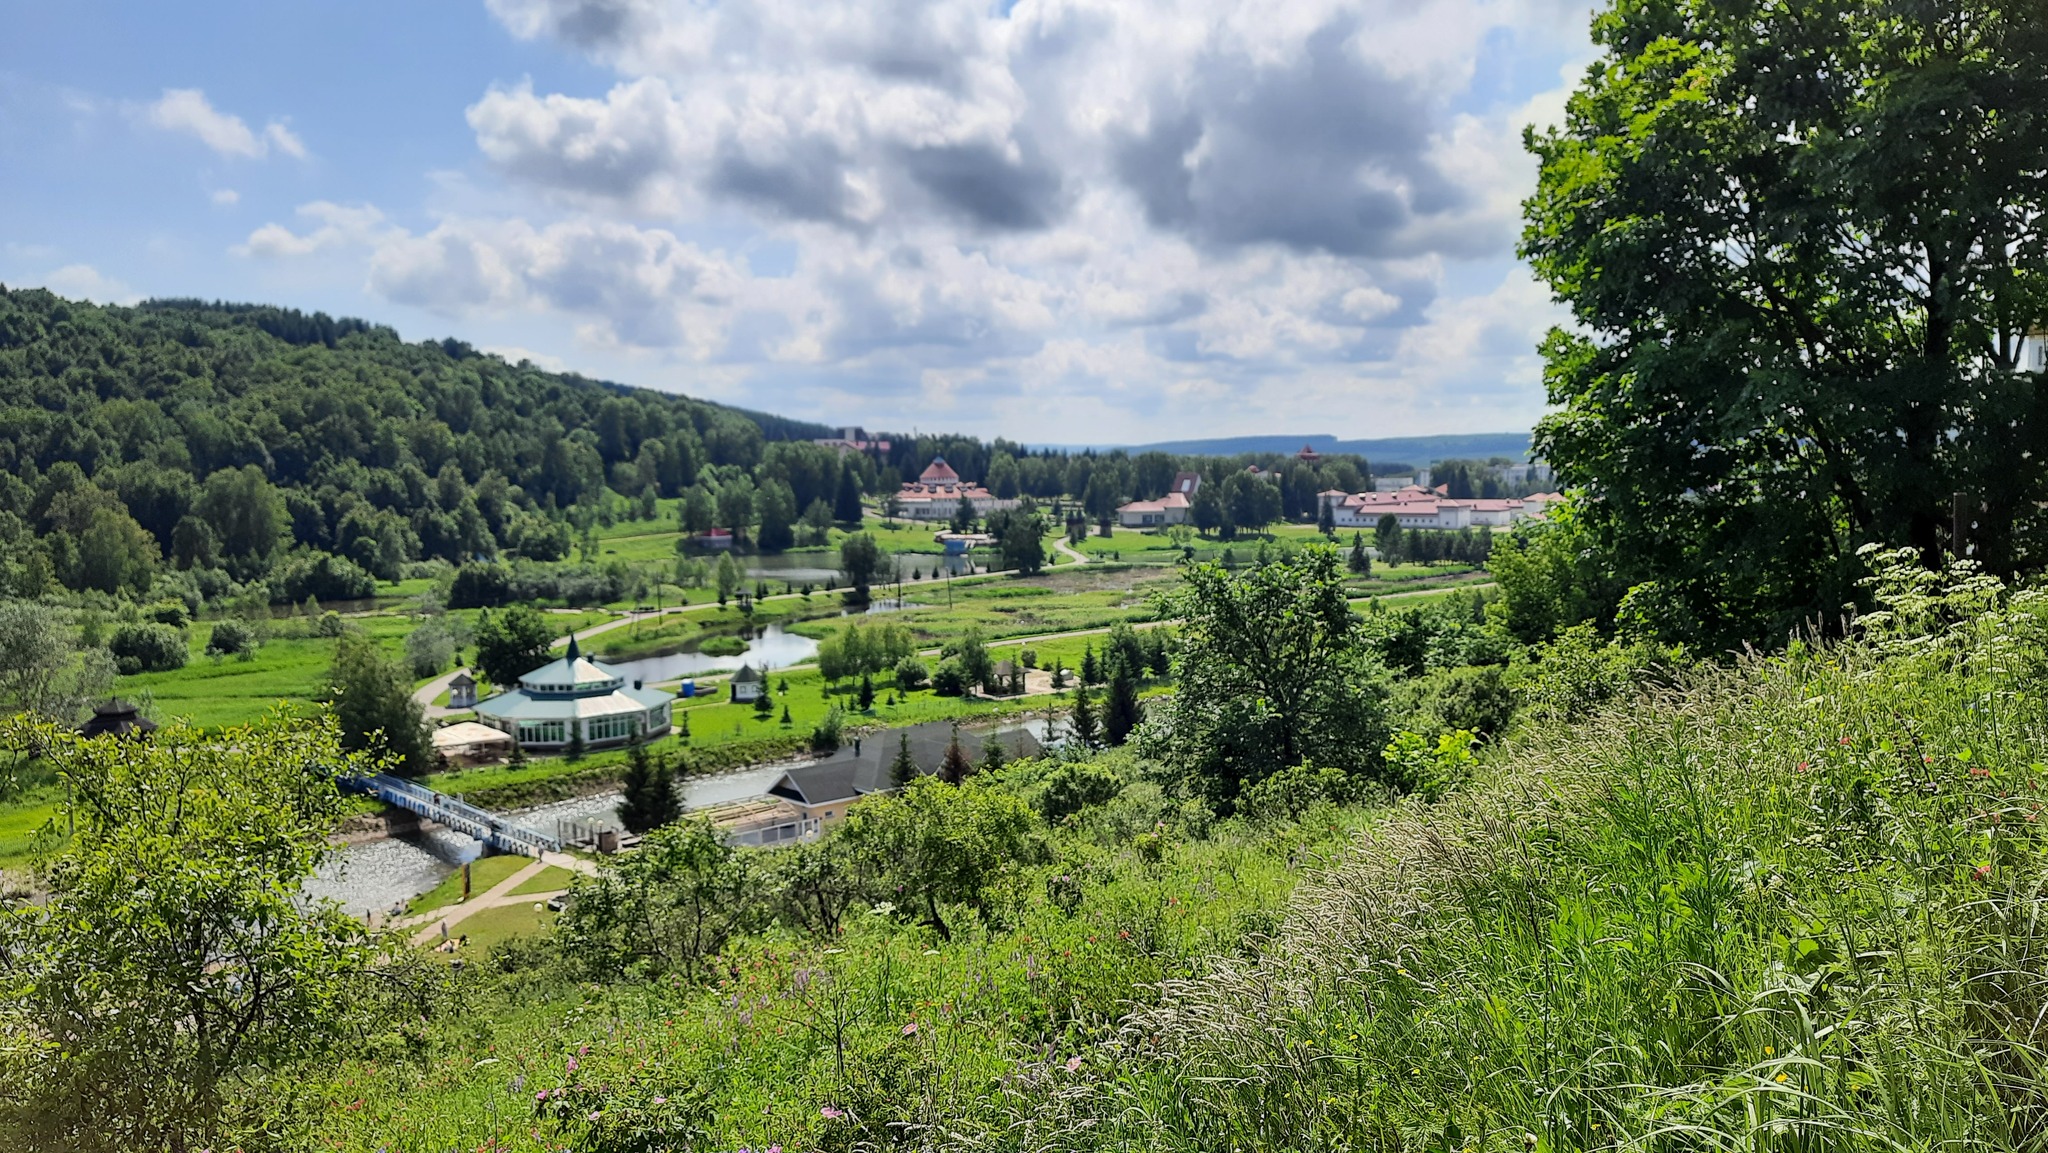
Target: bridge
pixel 484 825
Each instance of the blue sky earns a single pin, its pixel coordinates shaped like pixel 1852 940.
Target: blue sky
pixel 1060 221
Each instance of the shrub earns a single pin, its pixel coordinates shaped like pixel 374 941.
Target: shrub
pixel 1289 793
pixel 231 638
pixel 329 624
pixel 147 647
pixel 949 679
pixel 168 612
pixel 911 675
pixel 1074 786
pixel 480 586
pixel 722 646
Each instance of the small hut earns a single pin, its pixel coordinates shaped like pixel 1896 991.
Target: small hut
pixel 747 685
pixel 117 718
pixel 462 691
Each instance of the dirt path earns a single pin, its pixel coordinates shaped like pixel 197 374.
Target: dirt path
pixel 1078 556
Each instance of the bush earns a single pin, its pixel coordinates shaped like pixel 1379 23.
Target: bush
pixel 949 679
pixel 147 647
pixel 168 612
pixel 911 674
pixel 1074 786
pixel 330 624
pixel 1289 793
pixel 231 638
pixel 825 738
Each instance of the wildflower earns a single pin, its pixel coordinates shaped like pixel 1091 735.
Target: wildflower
pixel 659 1101
pixel 541 1096
pixel 1074 1063
pixel 1780 1078
pixel 1842 740
pixel 1802 767
pixel 571 1068
pixel 1982 872
pixel 831 1113
pixel 910 1030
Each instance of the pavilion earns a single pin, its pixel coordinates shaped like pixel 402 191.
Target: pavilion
pixel 556 701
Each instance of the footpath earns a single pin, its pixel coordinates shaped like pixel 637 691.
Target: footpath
pixel 440 924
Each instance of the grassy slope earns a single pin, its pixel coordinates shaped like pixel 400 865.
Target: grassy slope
pixel 1029 994
pixel 1789 906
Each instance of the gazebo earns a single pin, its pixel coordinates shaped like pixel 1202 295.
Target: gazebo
pixel 571 697
pixel 470 743
pixel 117 718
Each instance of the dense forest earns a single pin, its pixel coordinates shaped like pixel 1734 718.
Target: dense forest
pixel 192 450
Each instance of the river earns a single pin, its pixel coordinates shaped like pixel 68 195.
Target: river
pixel 375 875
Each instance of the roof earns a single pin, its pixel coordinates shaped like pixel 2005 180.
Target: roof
pixel 938 472
pixel 848 776
pixel 747 673
pixel 461 677
pixel 116 718
pixel 520 705
pixel 469 733
pixel 751 813
pixel 571 675
pixel 1187 482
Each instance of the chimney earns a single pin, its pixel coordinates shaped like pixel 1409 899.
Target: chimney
pixel 636 683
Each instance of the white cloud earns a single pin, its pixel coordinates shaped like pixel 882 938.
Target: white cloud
pixel 187 111
pixel 226 197
pixel 335 226
pixel 84 282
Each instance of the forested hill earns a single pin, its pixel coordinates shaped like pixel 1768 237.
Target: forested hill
pixel 350 433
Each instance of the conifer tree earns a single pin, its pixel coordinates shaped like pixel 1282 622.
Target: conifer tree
pixel 1120 709
pixel 1360 562
pixel 956 766
pixel 650 799
pixel 1082 726
pixel 1091 669
pixel 867 692
pixel 903 769
pixel 991 756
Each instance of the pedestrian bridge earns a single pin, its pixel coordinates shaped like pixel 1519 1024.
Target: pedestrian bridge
pixel 484 825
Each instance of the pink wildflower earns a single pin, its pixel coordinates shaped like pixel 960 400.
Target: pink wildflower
pixel 831 1113
pixel 659 1101
pixel 1074 1063
pixel 910 1030
pixel 571 1068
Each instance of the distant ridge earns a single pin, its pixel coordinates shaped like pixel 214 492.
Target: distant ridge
pixel 1417 450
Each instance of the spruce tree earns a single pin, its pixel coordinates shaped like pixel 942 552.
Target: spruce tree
pixel 991 756
pixel 1326 520
pixel 956 766
pixel 1360 562
pixel 867 693
pixel 575 750
pixel 903 769
pixel 1082 726
pixel 650 799
pixel 1091 669
pixel 1120 709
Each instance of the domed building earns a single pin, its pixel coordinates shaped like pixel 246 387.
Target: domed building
pixel 937 492
pixel 556 700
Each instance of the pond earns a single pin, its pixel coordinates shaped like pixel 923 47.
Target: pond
pixel 775 648
pixel 818 567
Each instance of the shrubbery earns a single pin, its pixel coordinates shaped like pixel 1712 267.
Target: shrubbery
pixel 147 647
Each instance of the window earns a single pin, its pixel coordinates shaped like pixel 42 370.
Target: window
pixel 614 728
pixel 543 732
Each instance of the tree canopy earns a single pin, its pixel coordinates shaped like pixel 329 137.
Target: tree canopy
pixel 1801 249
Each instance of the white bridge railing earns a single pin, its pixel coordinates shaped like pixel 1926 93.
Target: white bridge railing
pixel 454 813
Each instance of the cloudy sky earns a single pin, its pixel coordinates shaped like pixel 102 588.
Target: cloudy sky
pixel 1062 221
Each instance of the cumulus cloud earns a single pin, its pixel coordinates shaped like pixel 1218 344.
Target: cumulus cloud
pixel 84 282
pixel 188 112
pixel 1065 220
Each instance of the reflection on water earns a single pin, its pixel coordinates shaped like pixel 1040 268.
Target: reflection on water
pixel 378 874
pixel 602 810
pixel 817 567
pixel 773 649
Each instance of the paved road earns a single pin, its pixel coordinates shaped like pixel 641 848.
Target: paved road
pixel 1078 556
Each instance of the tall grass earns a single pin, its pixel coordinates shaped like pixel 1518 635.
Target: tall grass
pixel 1796 904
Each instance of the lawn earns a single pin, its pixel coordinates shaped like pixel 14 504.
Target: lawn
pixel 494 926
pixel 22 826
pixel 483 873
pixel 552 879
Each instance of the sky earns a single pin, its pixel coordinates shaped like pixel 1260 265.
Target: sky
pixel 1062 222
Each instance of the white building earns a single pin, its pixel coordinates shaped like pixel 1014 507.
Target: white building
pixel 937 492
pixel 563 698
pixel 1418 507
pixel 1173 508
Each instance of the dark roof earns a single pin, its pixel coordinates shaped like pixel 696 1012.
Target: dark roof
pixel 747 673
pixel 116 717
pixel 846 775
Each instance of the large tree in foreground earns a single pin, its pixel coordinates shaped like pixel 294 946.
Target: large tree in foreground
pixel 1802 243
pixel 1272 672
pixel 174 959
